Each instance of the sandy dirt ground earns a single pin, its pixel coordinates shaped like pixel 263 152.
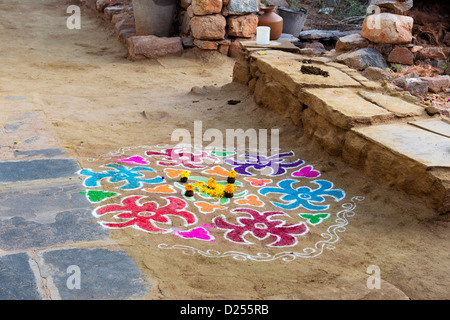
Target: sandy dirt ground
pixel 96 102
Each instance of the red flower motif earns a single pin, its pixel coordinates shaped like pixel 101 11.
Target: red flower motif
pixel 145 216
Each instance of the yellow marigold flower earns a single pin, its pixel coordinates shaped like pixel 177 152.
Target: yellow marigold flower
pixel 232 174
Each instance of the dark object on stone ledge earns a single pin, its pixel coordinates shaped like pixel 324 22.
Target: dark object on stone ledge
pixel 314 70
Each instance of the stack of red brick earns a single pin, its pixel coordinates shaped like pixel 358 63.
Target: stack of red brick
pixel 218 24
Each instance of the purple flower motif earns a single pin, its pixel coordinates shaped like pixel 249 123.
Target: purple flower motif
pixel 276 163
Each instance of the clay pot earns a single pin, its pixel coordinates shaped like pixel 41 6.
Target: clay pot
pixel 270 19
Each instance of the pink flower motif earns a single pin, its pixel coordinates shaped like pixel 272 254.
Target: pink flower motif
pixel 261 226
pixel 307 172
pixel 134 159
pixel 176 156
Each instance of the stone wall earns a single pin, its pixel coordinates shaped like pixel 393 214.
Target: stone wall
pixel 218 24
pixel 348 115
pixel 201 24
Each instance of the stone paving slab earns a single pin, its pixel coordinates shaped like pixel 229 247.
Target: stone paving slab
pixel 70 226
pixel 285 45
pixel 343 107
pixel 425 147
pixel 28 170
pixel 17 279
pixel 104 274
pixel 398 106
pixel 44 215
pixel 440 127
pixel 26 136
pixel 284 67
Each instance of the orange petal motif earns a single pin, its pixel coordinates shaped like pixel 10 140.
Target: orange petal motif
pixel 173 173
pixel 161 189
pixel 218 170
pixel 251 200
pixel 258 182
pixel 207 207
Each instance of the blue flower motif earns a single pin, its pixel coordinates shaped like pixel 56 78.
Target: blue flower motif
pixel 303 196
pixel 134 179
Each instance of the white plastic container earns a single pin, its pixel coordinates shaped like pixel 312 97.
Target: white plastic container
pixel 262 35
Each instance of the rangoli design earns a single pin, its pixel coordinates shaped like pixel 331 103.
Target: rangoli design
pixel 208 203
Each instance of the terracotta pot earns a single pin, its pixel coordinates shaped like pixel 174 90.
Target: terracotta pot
pixel 270 19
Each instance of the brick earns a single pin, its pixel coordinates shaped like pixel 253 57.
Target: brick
pixel 152 47
pixel 242 26
pixel 401 55
pixel 210 27
pixel 204 7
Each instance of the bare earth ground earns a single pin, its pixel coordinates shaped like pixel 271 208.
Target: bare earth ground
pixel 93 99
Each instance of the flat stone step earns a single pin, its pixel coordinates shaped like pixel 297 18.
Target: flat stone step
pixel 398 106
pixel 440 127
pixel 423 146
pixel 285 68
pixel 285 45
pixel 343 107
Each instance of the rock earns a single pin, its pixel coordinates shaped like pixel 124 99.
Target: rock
pixel 324 35
pixel 401 55
pixel 206 45
pixel 185 3
pixel 351 42
pixel 416 86
pixel 109 12
pixel 311 52
pixel 125 34
pixel 185 25
pixel 242 26
pixel 210 27
pixel 118 17
pixel 235 47
pixel 141 47
pixel 278 3
pixel 127 23
pixel 415 49
pixel 316 45
pixel 432 53
pixel 363 58
pixel 400 81
pixel 399 6
pixel 240 7
pixel 438 83
pixel 204 7
pixel 431 111
pixel 388 28
pixel 384 49
pixel 102 4
pixel 376 74
pixel 189 12
pixel 187 42
pixel 224 49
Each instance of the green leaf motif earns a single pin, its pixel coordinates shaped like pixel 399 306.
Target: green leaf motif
pixel 222 154
pixel 98 196
pixel 314 218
